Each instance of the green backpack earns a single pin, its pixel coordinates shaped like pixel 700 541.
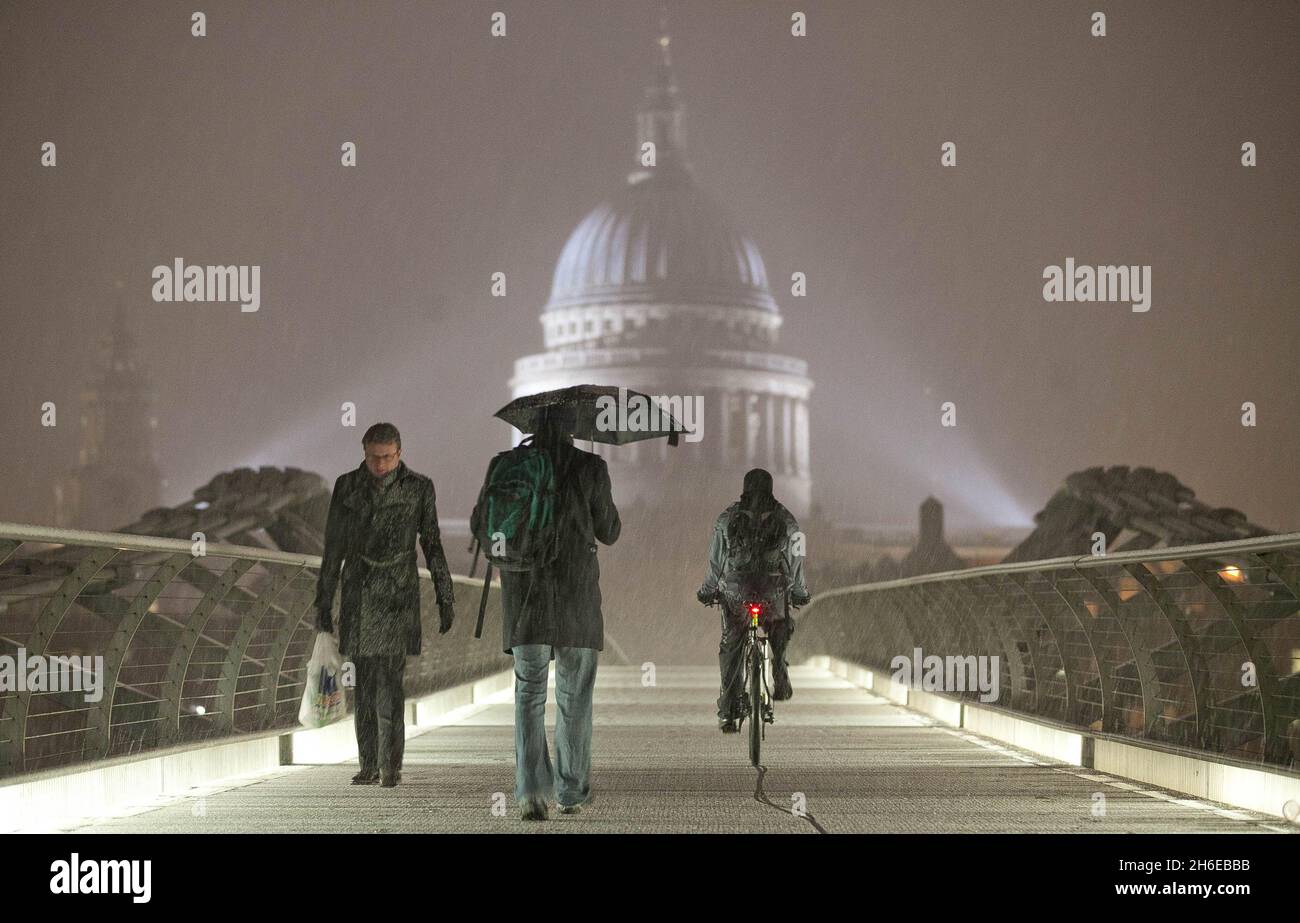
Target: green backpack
pixel 516 522
pixel 517 510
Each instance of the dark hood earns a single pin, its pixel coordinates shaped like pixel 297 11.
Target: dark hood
pixel 756 494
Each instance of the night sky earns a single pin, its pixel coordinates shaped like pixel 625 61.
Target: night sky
pixel 480 154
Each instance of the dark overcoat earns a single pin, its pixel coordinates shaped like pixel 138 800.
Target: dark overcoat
pixel 373 545
pixel 559 604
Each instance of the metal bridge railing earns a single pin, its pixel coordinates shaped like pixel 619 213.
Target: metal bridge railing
pixel 193 647
pixel 1195 647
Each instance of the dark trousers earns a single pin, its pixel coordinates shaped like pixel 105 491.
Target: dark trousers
pixel 731 656
pixel 380 713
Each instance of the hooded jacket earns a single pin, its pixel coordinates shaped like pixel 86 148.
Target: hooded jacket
pixel 756 496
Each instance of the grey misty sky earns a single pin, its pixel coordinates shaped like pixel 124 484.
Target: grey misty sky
pixel 479 154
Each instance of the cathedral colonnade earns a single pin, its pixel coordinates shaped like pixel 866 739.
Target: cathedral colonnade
pixel 753 429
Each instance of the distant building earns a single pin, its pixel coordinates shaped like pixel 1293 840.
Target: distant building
pixel 932 554
pixel 116 478
pixel 656 290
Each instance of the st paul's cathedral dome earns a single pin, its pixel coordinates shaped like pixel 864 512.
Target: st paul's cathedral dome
pixel 658 290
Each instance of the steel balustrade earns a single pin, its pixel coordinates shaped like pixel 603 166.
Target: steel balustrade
pixel 194 647
pixel 1195 647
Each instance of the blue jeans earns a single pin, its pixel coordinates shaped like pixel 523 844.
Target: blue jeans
pixel 575 674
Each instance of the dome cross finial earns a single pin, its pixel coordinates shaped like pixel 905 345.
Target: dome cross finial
pixel 659 119
pixel 664 68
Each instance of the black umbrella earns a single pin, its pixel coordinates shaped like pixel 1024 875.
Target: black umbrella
pixel 595 413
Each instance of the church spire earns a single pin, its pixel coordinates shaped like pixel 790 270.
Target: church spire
pixel 660 117
pixel 119 345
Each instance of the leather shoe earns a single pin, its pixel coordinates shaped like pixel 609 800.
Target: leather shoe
pixel 366 777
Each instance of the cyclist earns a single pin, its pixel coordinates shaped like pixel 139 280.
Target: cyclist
pixel 756 534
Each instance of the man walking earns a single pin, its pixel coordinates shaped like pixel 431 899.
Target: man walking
pixel 375 514
pixel 553 613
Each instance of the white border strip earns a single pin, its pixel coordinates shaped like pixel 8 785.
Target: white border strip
pixel 1253 789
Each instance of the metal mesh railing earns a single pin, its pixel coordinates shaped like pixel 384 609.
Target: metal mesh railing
pixel 181 647
pixel 1195 647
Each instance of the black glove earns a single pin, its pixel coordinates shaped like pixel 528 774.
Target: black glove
pixel 446 615
pixel 324 621
pixel 706 597
pixel 800 599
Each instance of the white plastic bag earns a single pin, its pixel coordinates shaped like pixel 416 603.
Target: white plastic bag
pixel 322 699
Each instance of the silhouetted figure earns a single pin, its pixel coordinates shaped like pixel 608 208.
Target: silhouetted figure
pixel 771 536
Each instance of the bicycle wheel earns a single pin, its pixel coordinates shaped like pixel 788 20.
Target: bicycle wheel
pixel 755 702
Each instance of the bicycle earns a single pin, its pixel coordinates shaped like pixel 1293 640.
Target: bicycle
pixel 758 680
pixel 757 669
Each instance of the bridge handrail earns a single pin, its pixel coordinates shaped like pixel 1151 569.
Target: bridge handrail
pixel 1184 552
pixel 126 541
pixel 1195 646
pixel 192 646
